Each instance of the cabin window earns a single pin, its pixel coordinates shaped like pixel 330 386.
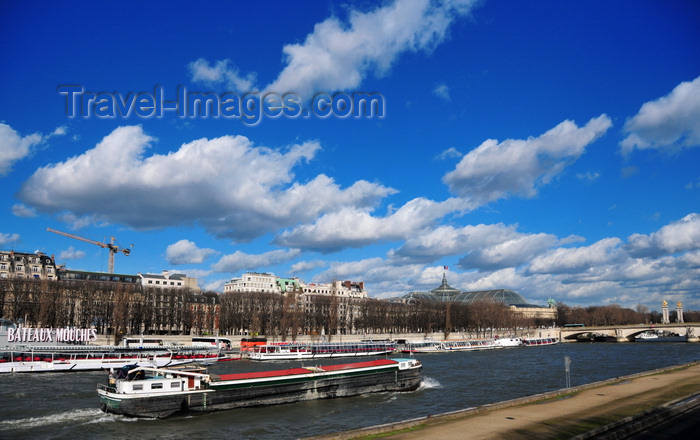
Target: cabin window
pixel 157 386
pixel 138 387
pixel 175 385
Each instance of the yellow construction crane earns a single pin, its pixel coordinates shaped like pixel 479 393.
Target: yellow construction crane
pixel 113 249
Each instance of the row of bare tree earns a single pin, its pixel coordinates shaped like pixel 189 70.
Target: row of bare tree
pixel 120 308
pixel 613 314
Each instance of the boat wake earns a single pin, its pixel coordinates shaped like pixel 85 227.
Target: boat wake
pixel 428 383
pixel 75 417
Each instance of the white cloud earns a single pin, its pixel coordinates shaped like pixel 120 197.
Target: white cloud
pixel 239 261
pixel 589 176
pixel 338 55
pixel 222 72
pixel 216 285
pixel 482 246
pixel 219 183
pixel 450 153
pixel 351 227
pixel 22 210
pixel 60 131
pixel 186 252
pixel 376 271
pixel 306 266
pixel 71 254
pixel 8 239
pixel 494 170
pixel 678 236
pixel 670 122
pixel 14 147
pixel 508 253
pixel 442 92
pixel 568 260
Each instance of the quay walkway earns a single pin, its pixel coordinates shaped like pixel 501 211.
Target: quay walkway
pixel 656 404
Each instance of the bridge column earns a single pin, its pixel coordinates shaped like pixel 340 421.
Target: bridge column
pixel 690 335
pixel 619 336
pixel 664 312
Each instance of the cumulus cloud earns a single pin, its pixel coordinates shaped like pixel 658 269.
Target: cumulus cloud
pixel 71 254
pixel 22 210
pixel 372 270
pixel 669 123
pixel 222 73
pixel 450 153
pixel 442 92
pixel 239 261
pixel 515 166
pixel 218 183
pixel 678 236
pixel 306 266
pixel 186 252
pixel 8 239
pixel 483 246
pixel 589 176
pixel 14 147
pixel 60 131
pixel 567 260
pixel 338 55
pixel 351 227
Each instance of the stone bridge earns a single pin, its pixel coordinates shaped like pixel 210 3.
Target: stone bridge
pixel 625 333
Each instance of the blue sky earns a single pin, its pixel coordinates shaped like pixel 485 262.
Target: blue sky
pixel 546 147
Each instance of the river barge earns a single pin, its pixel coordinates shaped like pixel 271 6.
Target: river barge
pixel 298 350
pixel 159 393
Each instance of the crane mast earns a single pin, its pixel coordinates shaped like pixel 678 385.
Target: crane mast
pixel 113 248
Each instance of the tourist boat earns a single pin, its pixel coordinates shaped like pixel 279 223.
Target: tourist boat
pixel 508 342
pixel 423 346
pixel 471 345
pixel 531 342
pixel 646 336
pixel 60 359
pixel 157 393
pixel 313 350
pixel 33 350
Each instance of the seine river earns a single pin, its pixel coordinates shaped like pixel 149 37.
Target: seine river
pixel 65 405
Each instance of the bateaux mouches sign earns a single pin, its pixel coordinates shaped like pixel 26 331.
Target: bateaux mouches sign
pixel 70 335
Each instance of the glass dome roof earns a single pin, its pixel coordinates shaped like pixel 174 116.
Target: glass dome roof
pixel 446 293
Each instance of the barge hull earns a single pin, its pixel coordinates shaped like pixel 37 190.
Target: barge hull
pixel 221 398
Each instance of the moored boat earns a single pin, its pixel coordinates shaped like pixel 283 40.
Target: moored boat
pixel 423 346
pixel 471 345
pixel 647 336
pixel 33 350
pixel 508 342
pixel 299 350
pixel 532 342
pixel 152 392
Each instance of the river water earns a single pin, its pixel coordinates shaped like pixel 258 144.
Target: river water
pixel 65 405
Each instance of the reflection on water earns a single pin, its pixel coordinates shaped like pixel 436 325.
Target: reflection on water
pixel 65 405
